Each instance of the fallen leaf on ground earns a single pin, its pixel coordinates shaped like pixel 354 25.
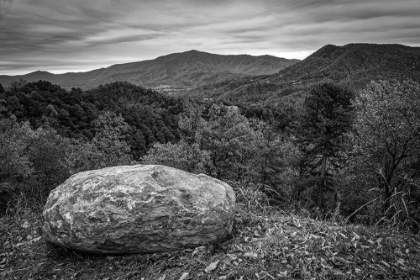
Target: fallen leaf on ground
pixel 251 255
pixel 232 257
pixel 184 276
pixel 211 267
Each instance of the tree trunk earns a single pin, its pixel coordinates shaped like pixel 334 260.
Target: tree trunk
pixel 322 184
pixel 387 195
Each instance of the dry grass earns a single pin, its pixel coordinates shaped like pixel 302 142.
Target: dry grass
pixel 266 244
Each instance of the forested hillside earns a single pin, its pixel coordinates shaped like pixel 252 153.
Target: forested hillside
pixel 354 65
pixel 172 72
pixel 150 116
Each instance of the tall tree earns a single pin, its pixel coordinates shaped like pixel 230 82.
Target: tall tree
pixel 47 153
pixel 387 141
pixel 16 86
pixel 328 116
pixel 279 159
pixel 234 142
pixel 14 141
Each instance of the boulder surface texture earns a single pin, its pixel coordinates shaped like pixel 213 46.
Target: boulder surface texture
pixel 138 209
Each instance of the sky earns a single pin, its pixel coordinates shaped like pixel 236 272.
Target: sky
pixel 80 35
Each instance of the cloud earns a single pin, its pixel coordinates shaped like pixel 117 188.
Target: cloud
pixel 75 35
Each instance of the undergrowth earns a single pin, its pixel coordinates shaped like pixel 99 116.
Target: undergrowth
pixel 266 243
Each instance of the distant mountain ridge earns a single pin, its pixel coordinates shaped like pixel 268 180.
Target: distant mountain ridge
pixel 360 62
pixel 354 65
pixel 178 70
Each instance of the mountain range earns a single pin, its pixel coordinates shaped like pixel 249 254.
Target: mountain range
pixel 167 73
pixel 357 62
pixel 250 79
pixel 353 65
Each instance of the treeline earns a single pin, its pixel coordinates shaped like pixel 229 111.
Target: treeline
pixel 150 116
pixel 337 153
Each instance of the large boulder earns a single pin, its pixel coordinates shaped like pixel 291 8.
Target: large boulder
pixel 138 209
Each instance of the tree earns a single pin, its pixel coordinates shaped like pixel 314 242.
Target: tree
pixel 15 165
pixel 14 141
pixel 328 116
pixel 16 86
pixel 109 140
pixel 81 156
pixel 387 143
pixel 181 155
pixel 47 153
pixel 32 162
pixel 278 165
pixel 226 145
pixel 233 141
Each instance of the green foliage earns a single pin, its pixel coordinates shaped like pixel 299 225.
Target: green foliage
pixel 47 152
pixel 48 133
pixel 387 146
pixel 14 141
pixel 304 151
pixel 34 161
pixel 224 145
pixel 108 140
pixel 278 162
pixel 82 156
pixel 107 148
pixel 151 116
pixel 16 86
pixel 31 161
pixel 221 142
pixel 233 143
pixel 327 118
pixel 181 155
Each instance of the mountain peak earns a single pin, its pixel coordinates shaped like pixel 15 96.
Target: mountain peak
pixel 356 63
pixel 178 70
pixel 194 51
pixel 39 72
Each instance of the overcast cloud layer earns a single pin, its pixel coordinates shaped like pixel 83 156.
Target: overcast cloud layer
pixel 80 35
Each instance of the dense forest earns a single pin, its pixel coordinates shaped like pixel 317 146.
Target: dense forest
pixel 341 154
